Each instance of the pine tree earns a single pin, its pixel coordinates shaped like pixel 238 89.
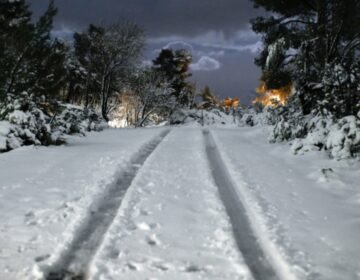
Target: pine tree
pixel 175 67
pixel 30 59
pixel 304 41
pixel 209 100
pixel 15 33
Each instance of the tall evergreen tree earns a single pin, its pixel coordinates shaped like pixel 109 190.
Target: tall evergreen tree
pixel 30 59
pixel 306 40
pixel 15 32
pixel 175 67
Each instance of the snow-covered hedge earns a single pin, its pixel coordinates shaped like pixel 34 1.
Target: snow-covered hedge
pixel 24 122
pixel 74 119
pixel 339 137
pixel 195 117
pixel 256 117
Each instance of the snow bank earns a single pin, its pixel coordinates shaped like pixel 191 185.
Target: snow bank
pixel 195 117
pixel 340 138
pixel 24 122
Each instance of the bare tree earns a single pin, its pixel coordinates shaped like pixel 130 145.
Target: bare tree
pixel 110 55
pixel 155 96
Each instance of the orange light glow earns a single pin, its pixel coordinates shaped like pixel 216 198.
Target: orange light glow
pixel 273 97
pixel 229 103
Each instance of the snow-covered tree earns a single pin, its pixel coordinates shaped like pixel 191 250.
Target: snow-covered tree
pixel 174 67
pixel 30 59
pixel 304 41
pixel 108 54
pixel 154 96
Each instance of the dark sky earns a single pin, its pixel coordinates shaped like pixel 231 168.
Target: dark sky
pixel 216 31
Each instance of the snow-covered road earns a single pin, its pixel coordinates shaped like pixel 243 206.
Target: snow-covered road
pixel 305 209
pixel 144 204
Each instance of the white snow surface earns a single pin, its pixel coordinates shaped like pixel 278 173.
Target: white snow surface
pixel 307 206
pixel 171 223
pixel 45 193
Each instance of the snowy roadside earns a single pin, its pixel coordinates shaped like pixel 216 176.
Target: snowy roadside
pixel 308 206
pixel 45 192
pixel 172 224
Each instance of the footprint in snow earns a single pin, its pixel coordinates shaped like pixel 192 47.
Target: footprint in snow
pixel 161 266
pixel 134 266
pixel 42 258
pixel 145 212
pixel 147 227
pixel 192 268
pixel 152 240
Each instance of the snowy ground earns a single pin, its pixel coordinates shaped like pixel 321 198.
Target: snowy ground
pixel 172 224
pixel 308 206
pixel 45 192
pixel 169 221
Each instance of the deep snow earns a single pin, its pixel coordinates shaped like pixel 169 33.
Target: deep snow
pixel 307 206
pixel 46 192
pixel 172 223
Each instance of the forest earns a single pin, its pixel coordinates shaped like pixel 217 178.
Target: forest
pixel 309 89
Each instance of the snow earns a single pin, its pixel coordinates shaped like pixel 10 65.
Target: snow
pixel 172 224
pixel 307 206
pixel 19 117
pixel 45 192
pixel 5 129
pixel 198 118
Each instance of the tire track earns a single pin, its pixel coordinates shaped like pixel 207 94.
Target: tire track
pixel 246 240
pixel 73 263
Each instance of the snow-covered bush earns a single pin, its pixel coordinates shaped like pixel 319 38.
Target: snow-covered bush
pixel 339 137
pixel 73 119
pixel 26 122
pixel 344 138
pixel 257 116
pixel 213 117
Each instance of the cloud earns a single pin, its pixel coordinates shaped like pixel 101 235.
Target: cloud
pixel 253 48
pixel 218 32
pixel 212 43
pixel 206 63
pixel 146 63
pixel 179 45
pixel 158 17
pixel 220 53
pixel 63 32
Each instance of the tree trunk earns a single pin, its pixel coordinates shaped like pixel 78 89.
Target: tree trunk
pixel 103 99
pixel 322 24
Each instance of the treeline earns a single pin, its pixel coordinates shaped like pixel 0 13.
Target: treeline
pixel 94 70
pixel 315 45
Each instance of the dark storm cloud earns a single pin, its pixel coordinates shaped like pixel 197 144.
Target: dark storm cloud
pixel 159 17
pixel 215 31
pixel 238 77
